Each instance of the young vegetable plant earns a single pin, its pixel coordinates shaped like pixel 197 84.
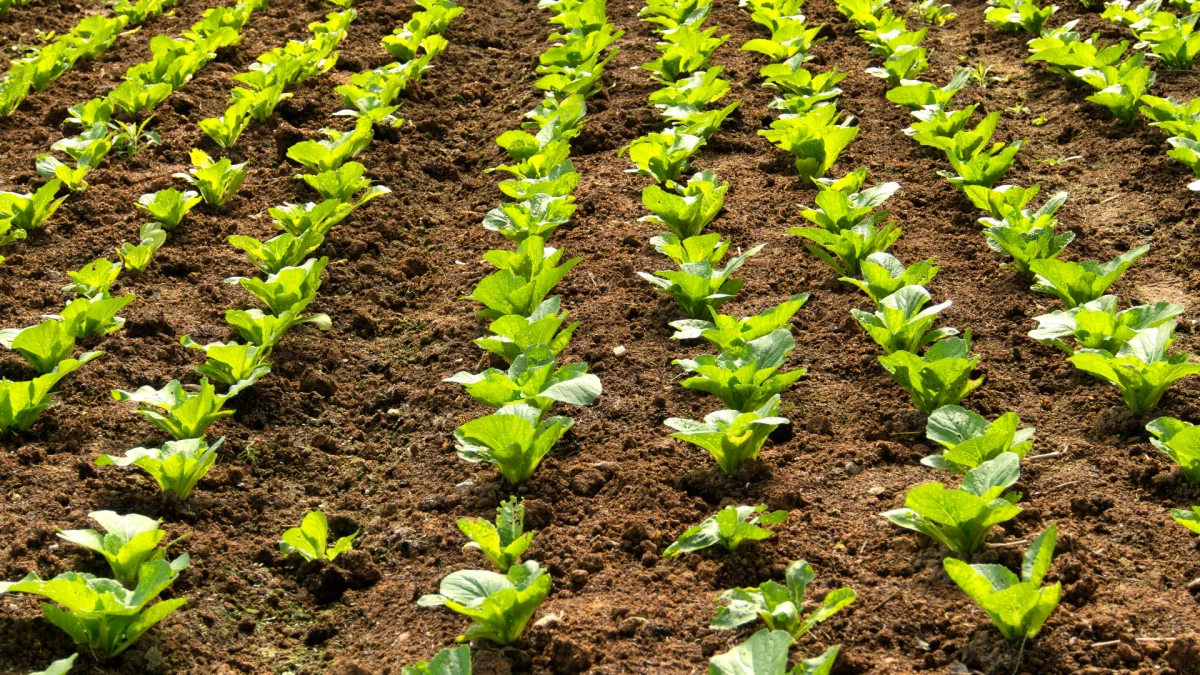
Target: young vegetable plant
pixel 1017 605
pixel 729 527
pixel 725 332
pixel 177 466
pixel 22 402
pixel 961 518
pixel 168 207
pixel 1141 368
pixel 286 250
pixel 449 661
pixel 745 377
pixel 732 437
pixel 500 604
pixel 522 280
pixel 699 286
pixel 969 440
pixel 685 209
pixel 533 379
pixel 101 613
pixel 941 377
pixel 901 322
pixel 1181 442
pixel 43 345
pixel 338 147
pixel 217 181
pixel 1014 15
pixel 766 653
pixel 287 289
pixel 504 542
pixel 884 275
pixel 815 139
pixel 184 414
pixel 226 129
pixel 1189 518
pixel 95 279
pixel 663 156
pixel 95 315
pixel 137 257
pixel 847 229
pixel 1098 324
pixel 780 606
pixel 127 542
pixel 512 334
pixel 266 330
pixel 311 539
pixel 539 216
pixel 1080 283
pixel 231 363
pixel 29 212
pixel 343 183
pixel 515 439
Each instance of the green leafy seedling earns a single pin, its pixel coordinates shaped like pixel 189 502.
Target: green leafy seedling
pixel 1017 605
pixel 217 180
pixel 732 437
pixel 231 363
pixel 101 613
pixel 725 332
pixel 1080 283
pixel 126 543
pixel 1141 368
pixel 311 539
pixel 780 606
pixel 729 527
pixel 969 440
pixel 177 466
pixel 504 542
pixel 500 604
pixel 514 439
pixel 766 653
pixel 961 518
pixel 168 207
pixel 180 413
pixel 745 377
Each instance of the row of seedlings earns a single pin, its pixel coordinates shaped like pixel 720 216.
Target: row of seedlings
pixel 1122 83
pixel 745 373
pixel 88 39
pixel 104 127
pixel 1127 348
pixel 109 615
pixel 94 312
pixel 987 455
pixel 528 328
pixel 216 180
pixel 273 72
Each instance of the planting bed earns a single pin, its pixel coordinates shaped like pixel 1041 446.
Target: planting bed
pixel 357 421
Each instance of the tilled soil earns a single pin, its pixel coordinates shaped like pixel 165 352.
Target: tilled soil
pixel 357 421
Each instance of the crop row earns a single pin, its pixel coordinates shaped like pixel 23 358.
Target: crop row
pixel 109 614
pixel 1121 80
pixel 272 73
pixel 1127 348
pixel 103 128
pixel 745 374
pixel 88 39
pixel 528 331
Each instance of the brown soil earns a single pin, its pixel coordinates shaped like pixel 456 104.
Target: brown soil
pixel 357 420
